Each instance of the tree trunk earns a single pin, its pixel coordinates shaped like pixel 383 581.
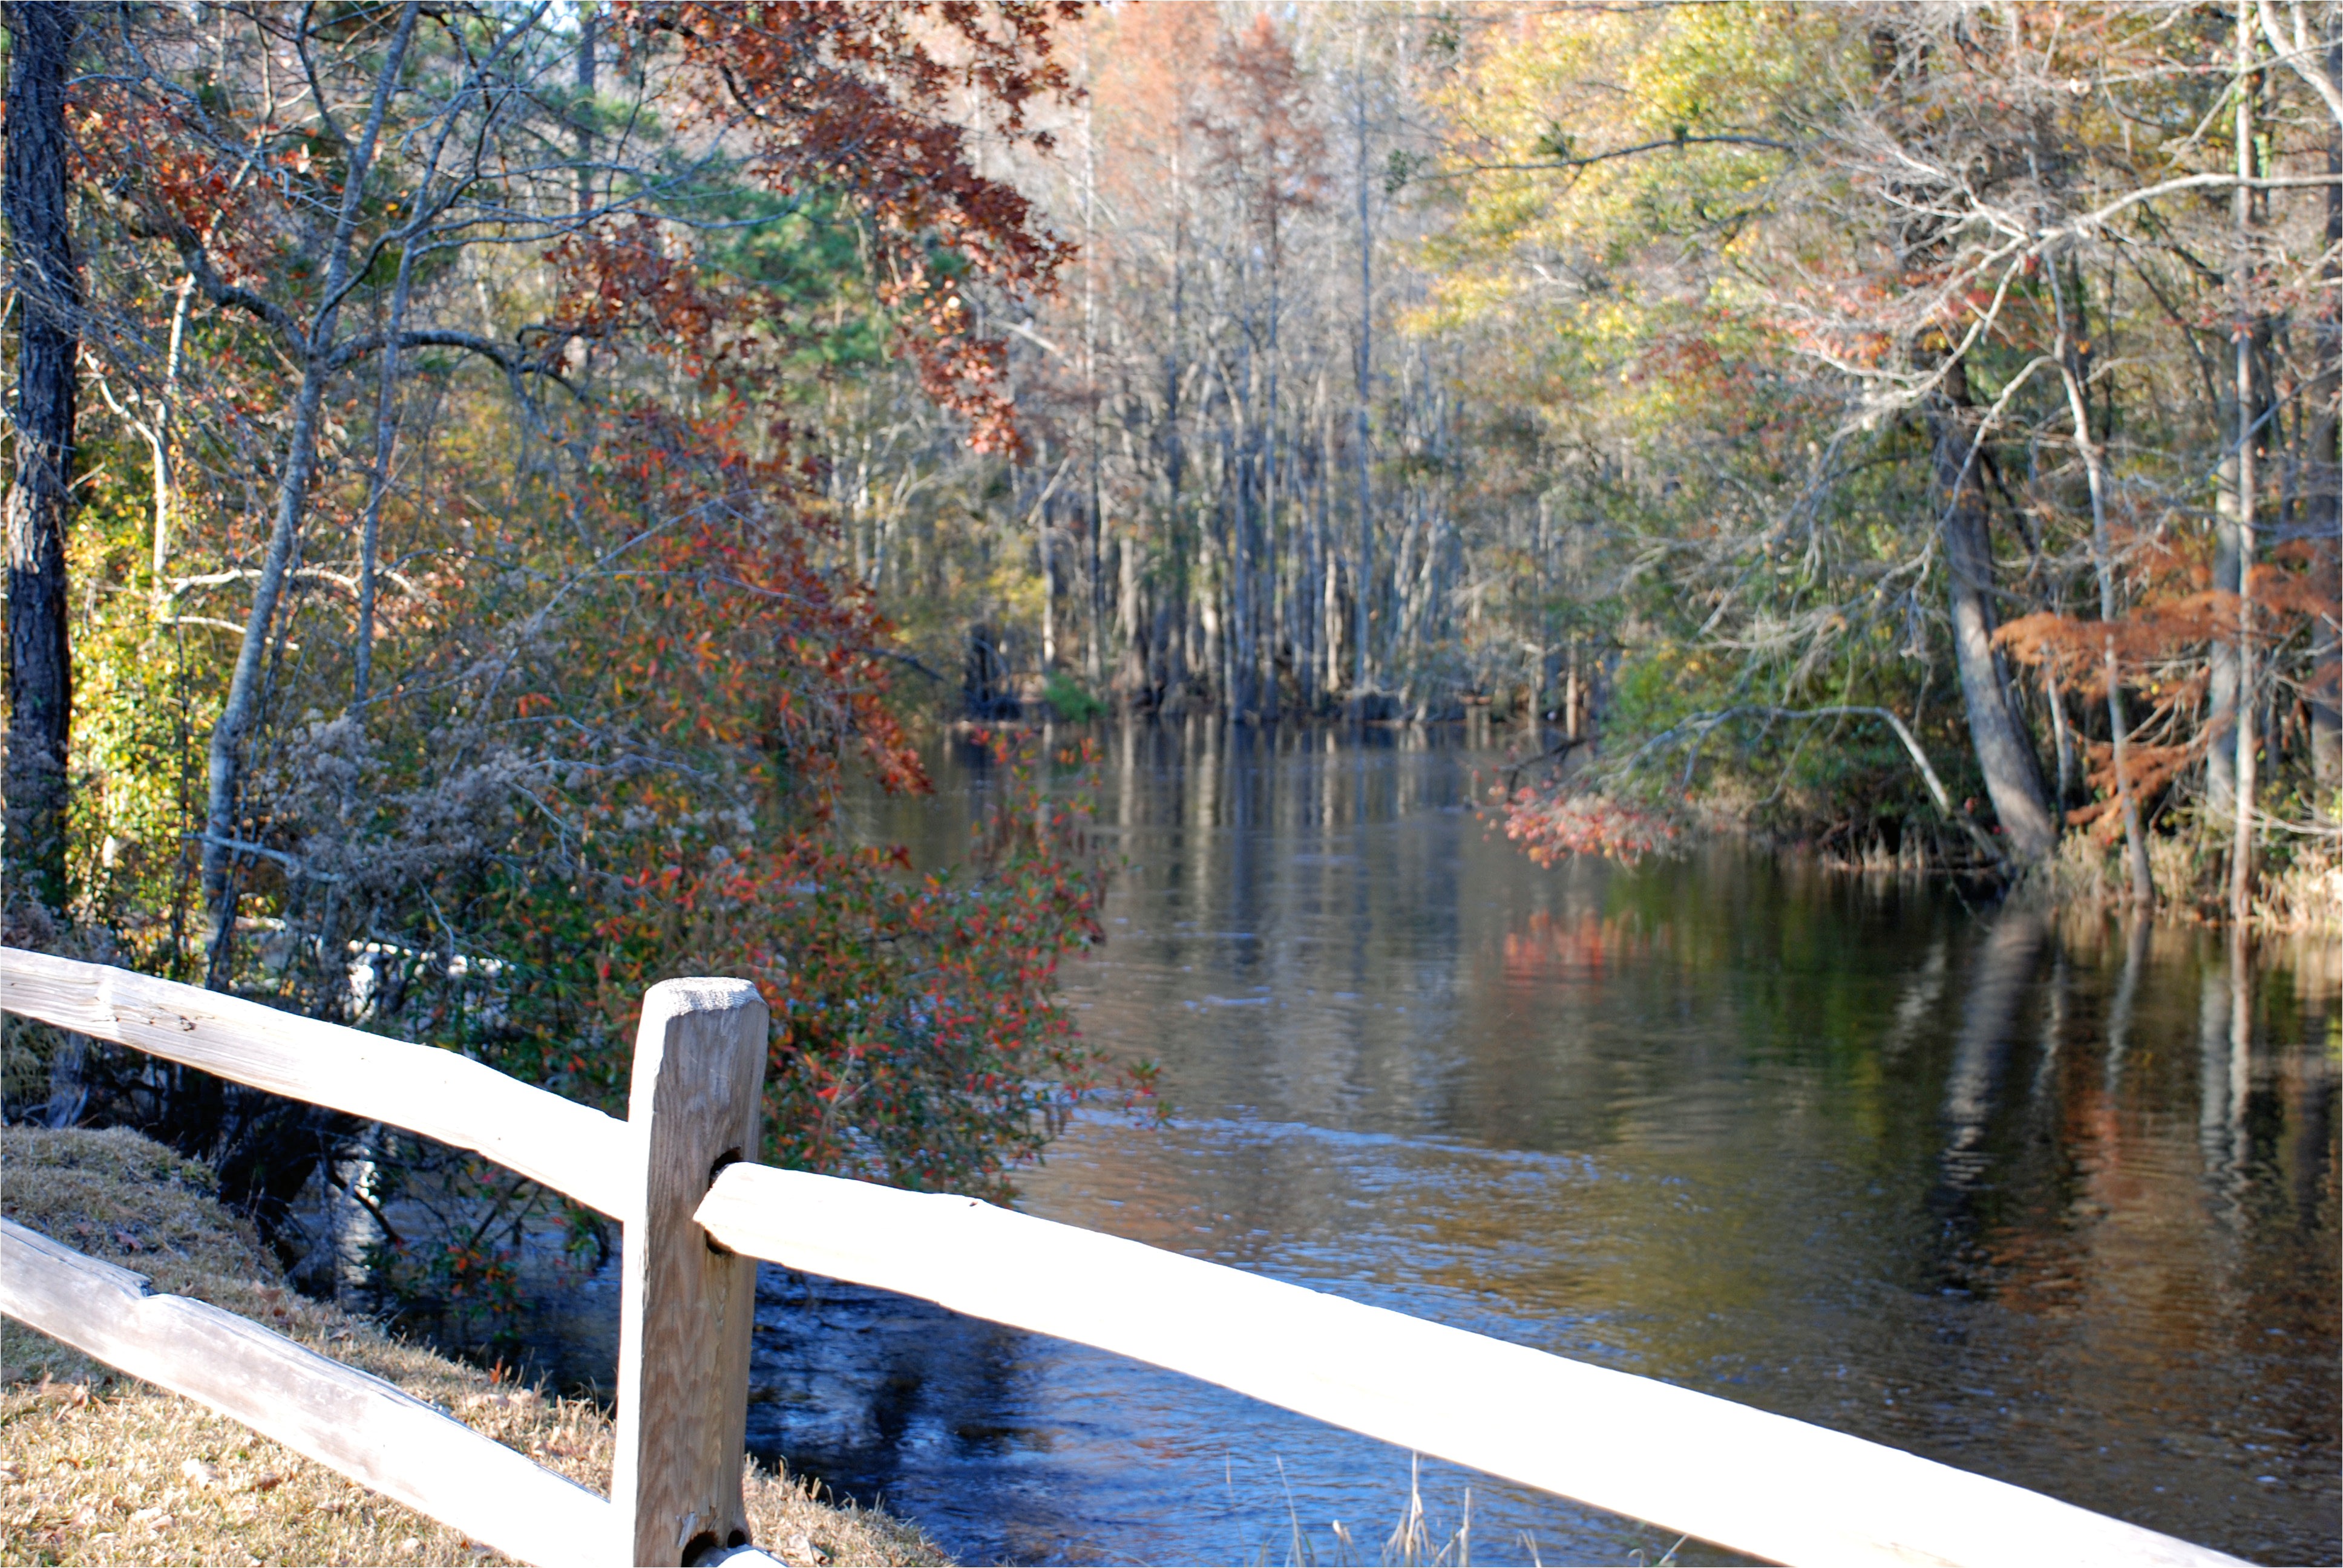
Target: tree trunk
pixel 385 434
pixel 1048 570
pixel 1093 645
pixel 1130 672
pixel 2221 660
pixel 2326 505
pixel 2062 735
pixel 2241 838
pixel 584 129
pixel 2070 372
pixel 1240 464
pixel 238 712
pixel 2012 778
pixel 1362 588
pixel 48 292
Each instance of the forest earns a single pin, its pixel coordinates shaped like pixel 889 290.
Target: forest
pixel 487 481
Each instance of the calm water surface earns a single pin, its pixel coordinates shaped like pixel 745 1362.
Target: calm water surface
pixel 2040 1198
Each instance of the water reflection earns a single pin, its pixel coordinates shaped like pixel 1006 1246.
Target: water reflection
pixel 2000 979
pixel 2050 1198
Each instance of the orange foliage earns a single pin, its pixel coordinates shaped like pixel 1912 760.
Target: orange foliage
pixel 853 99
pixel 2155 645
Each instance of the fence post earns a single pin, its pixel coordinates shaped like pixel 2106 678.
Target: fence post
pixel 685 1307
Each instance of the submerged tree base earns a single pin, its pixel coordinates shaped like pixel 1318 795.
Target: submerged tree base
pixel 2301 890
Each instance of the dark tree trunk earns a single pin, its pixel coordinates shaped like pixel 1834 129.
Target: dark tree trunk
pixel 2325 499
pixel 40 673
pixel 1362 678
pixel 2012 777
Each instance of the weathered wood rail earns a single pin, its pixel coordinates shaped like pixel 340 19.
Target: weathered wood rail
pixel 679 1175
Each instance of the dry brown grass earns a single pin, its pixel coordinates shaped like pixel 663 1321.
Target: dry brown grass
pixel 2304 894
pixel 96 1468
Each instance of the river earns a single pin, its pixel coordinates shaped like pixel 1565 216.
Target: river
pixel 2033 1194
pixel 2029 1194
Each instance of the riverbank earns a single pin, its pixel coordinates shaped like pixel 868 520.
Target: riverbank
pixel 2297 885
pixel 103 1469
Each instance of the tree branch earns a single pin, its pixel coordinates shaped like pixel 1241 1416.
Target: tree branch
pixel 1768 142
pixel 1937 791
pixel 2293 56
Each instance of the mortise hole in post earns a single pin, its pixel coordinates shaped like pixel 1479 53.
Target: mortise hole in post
pixel 730 1157
pixel 737 1538
pixel 697 1548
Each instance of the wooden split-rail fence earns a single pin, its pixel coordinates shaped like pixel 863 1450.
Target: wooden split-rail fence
pixel 696 1212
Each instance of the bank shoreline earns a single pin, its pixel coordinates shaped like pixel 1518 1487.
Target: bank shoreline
pixel 101 1468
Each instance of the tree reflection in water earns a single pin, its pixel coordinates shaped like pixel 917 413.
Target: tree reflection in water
pixel 2031 1191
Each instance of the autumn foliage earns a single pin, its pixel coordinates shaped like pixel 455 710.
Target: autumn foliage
pixel 1553 825
pixel 853 102
pixel 2159 649
pixel 515 363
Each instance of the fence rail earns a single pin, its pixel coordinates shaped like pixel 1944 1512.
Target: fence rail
pixel 359 1424
pixel 1762 1483
pixel 678 1174
pixel 572 1148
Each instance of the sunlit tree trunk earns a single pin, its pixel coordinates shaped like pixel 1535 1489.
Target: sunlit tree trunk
pixel 2062 735
pixel 2012 778
pixel 238 713
pixel 1048 576
pixel 2241 843
pixel 158 431
pixel 1093 646
pixel 2221 655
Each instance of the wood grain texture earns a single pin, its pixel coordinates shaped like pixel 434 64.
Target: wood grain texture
pixel 1759 1482
pixel 344 1419
pixel 572 1148
pixel 686 1307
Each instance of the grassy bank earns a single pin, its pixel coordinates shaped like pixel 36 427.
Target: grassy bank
pixel 96 1468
